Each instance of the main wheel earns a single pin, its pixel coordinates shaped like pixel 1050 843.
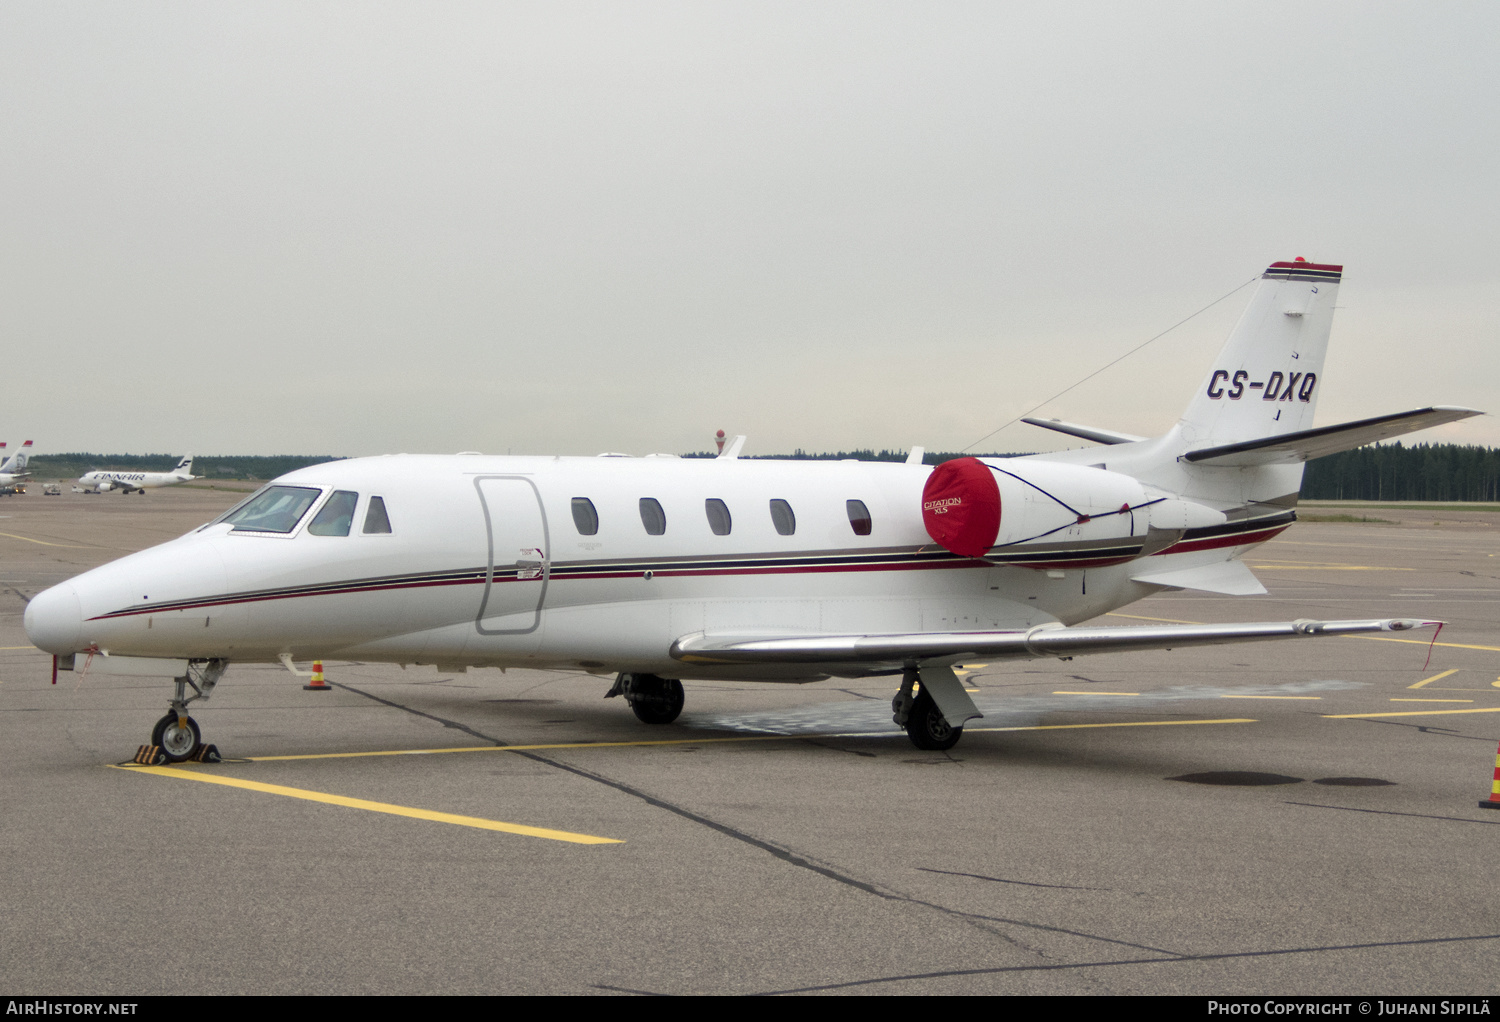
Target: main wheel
pixel 656 700
pixel 178 742
pixel 928 728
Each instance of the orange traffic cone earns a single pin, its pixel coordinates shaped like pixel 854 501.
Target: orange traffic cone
pixel 318 684
pixel 1493 802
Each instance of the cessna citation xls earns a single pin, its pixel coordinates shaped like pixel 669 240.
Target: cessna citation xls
pixel 140 482
pixel 659 569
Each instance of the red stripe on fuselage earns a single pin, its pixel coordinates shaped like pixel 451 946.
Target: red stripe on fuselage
pixel 1216 542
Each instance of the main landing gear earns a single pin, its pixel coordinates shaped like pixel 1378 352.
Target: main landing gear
pixel 176 737
pixel 915 710
pixel 654 700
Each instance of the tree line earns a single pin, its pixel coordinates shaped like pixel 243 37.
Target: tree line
pixel 1395 472
pixel 1378 472
pixel 212 467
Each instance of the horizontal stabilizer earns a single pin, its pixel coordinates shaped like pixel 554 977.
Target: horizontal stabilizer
pixel 1100 436
pixel 1231 578
pixel 1041 641
pixel 1307 444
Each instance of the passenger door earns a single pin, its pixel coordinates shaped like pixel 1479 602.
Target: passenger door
pixel 519 562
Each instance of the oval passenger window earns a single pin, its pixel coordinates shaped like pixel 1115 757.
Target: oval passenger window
pixel 859 517
pixel 653 517
pixel 585 517
pixel 783 518
pixel 718 516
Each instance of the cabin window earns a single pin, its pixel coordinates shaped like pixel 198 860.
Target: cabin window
pixel 337 515
pixel 274 509
pixel 859 517
pixel 718 516
pixel 377 522
pixel 585 517
pixel 783 518
pixel 653 517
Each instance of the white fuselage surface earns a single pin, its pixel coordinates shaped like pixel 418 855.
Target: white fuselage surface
pixel 485 563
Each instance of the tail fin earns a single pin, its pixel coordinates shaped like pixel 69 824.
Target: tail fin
pixel 185 466
pixel 16 463
pixel 1265 381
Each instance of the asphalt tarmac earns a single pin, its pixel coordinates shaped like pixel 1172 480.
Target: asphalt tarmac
pixel 1278 818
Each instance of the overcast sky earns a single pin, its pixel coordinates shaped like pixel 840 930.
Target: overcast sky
pixel 575 227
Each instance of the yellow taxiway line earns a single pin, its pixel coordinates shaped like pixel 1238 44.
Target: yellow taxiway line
pixel 376 807
pixel 1096 693
pixel 1423 642
pixel 1118 723
pixel 1409 713
pixel 1436 677
pixel 1298 566
pixel 1397 699
pixel 537 748
pixel 43 542
pixel 699 741
pixel 1267 697
pixel 1372 638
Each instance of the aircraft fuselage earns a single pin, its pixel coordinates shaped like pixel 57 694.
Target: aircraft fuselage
pixel 493 561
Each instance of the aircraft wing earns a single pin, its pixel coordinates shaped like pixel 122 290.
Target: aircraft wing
pixel 1032 643
pixel 1100 436
pixel 1307 444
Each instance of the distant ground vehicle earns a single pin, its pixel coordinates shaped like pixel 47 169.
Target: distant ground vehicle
pixel 12 488
pixel 52 490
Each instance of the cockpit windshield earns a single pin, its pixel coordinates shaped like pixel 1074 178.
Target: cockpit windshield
pixel 274 509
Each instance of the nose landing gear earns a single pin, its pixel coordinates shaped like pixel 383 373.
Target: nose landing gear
pixel 176 735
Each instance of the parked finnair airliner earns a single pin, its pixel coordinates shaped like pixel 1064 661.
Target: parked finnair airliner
pixel 140 482
pixel 658 569
pixel 13 470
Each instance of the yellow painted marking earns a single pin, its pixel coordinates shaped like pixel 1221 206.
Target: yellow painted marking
pixel 1409 713
pixel 1397 700
pixel 535 748
pixel 43 542
pixel 377 807
pixel 1435 677
pixel 971 690
pixel 1299 566
pixel 1268 697
pixel 1096 693
pixel 1423 642
pixel 693 741
pixel 1122 723
pixel 1495 683
pixel 20 647
pixel 1142 617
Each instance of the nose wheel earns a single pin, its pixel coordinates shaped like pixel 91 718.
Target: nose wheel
pixel 176 736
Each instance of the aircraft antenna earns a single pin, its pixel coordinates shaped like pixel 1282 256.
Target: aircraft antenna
pixel 1096 372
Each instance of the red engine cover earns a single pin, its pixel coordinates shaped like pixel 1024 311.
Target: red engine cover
pixel 961 506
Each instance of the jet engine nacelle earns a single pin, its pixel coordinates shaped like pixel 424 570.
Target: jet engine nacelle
pixel 971 507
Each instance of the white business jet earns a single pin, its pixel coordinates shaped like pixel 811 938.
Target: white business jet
pixel 140 482
pixel 13 470
pixel 659 569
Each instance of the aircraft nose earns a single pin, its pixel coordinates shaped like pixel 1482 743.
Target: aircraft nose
pixel 54 619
